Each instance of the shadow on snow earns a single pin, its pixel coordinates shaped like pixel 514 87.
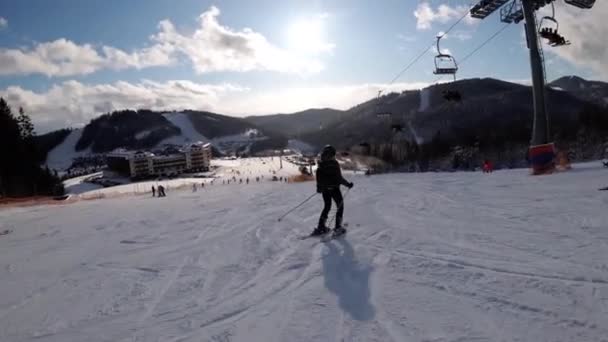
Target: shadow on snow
pixel 348 280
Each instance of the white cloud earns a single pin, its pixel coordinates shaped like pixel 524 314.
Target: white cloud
pixel 426 15
pixel 63 57
pixel 587 31
pixel 211 47
pixel 462 35
pixel 3 23
pixel 406 38
pixel 301 98
pixel 72 103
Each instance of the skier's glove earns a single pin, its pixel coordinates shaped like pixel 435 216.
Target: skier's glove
pixel 350 185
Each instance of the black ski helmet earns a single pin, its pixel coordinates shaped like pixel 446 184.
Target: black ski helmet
pixel 328 152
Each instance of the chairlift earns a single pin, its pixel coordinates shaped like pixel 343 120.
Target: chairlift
pixel 585 4
pixel 549 30
pixel 381 112
pixel 445 64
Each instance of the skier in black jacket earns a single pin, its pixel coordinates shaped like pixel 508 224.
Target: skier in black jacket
pixel 329 179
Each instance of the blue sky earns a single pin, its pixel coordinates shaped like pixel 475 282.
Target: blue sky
pixel 67 61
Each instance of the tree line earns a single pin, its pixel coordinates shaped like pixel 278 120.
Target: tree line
pixel 20 171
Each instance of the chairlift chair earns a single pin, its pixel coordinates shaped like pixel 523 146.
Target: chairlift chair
pixel 445 64
pixel 549 30
pixel 585 4
pixel 548 27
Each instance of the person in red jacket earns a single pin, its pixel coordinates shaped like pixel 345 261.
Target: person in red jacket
pixel 329 179
pixel 487 166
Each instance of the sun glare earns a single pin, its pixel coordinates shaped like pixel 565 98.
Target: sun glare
pixel 307 35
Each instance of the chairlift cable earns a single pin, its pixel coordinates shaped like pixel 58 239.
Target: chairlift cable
pixel 456 23
pixel 411 64
pixel 462 61
pixel 476 49
pixel 418 57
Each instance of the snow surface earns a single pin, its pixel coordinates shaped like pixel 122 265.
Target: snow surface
pixel 60 157
pixel 188 135
pixel 425 99
pixel 428 257
pixel 78 185
pixel 224 170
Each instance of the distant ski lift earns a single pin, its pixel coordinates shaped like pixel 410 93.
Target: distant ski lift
pixel 549 30
pixel 381 111
pixel 445 64
pixel 586 4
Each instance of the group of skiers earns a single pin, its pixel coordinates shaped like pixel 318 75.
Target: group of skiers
pixel 161 191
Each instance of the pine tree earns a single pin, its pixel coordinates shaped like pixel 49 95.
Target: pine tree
pixel 20 173
pixel 26 128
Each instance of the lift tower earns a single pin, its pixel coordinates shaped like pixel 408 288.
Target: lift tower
pixel 542 150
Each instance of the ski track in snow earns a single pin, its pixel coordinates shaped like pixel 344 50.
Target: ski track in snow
pixel 428 257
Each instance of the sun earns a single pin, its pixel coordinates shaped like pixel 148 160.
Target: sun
pixel 307 36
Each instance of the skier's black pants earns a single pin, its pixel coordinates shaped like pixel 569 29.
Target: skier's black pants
pixel 328 195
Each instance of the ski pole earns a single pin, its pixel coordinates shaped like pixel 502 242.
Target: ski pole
pixel 296 207
pixel 338 208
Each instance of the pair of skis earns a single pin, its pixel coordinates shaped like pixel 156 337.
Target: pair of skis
pixel 330 235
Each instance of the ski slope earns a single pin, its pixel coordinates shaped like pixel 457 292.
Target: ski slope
pixel 223 170
pixel 60 158
pixel 428 257
pixel 188 133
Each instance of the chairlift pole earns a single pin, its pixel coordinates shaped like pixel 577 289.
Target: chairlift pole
pixel 541 126
pixel 542 151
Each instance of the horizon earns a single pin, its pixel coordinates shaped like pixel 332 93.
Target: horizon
pixel 242 60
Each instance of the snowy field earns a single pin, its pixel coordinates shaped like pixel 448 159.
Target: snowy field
pixel 428 257
pixel 225 170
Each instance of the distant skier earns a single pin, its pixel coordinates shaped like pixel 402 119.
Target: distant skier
pixel 329 179
pixel 488 167
pixel 193 187
pixel 161 191
pixel 153 191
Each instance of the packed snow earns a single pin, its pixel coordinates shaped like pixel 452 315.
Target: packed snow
pixel 188 133
pixel 78 185
pixel 428 257
pixel 238 170
pixel 61 157
pixel 425 99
